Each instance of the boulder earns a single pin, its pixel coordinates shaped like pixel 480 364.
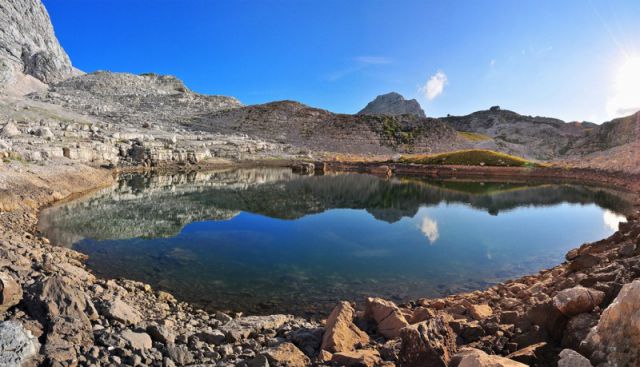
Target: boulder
pixel 44 132
pixel 421 314
pixel 10 130
pixel 162 333
pixel 215 337
pixel 470 357
pixel 341 334
pixel 120 311
pixel 138 341
pixel 179 354
pixel 309 340
pixel 616 339
pixel 429 343
pixel 360 358
pixel 577 300
pixel 17 345
pixel 10 292
pixel 532 354
pixel 479 312
pixel 286 354
pixel 61 305
pixel 387 316
pixel 577 329
pixel 242 327
pixel 571 358
pixel 583 261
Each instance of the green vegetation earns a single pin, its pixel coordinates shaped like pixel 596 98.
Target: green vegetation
pixel 473 137
pixel 471 157
pixel 392 128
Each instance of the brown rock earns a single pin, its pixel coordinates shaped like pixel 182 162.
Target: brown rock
pixel 583 261
pixel 10 292
pixel 470 357
pixel 364 357
pixel 121 311
pixel 421 314
pixel 530 355
pixel 479 312
pixel 341 334
pixel 577 300
pixel 324 356
pixel 615 340
pixel 577 329
pixel 286 354
pixel 571 358
pixel 429 343
pixel 138 341
pixel 387 316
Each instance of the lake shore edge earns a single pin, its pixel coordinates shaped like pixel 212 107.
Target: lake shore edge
pixel 127 322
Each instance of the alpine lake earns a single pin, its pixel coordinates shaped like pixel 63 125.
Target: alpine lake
pixel 266 240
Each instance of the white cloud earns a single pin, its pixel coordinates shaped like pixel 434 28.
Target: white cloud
pixel 429 228
pixel 492 62
pixel 435 85
pixel 613 220
pixel 373 60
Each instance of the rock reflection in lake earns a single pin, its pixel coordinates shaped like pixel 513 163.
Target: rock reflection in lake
pixel 267 240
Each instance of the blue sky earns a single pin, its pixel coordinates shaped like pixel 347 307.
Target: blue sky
pixel 550 58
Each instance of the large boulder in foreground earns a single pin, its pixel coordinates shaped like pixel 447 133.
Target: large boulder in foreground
pixel 17 345
pixel 387 316
pixel 470 357
pixel 429 343
pixel 577 300
pixel 341 334
pixel 615 341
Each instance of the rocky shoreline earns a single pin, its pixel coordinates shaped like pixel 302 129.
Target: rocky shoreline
pixel 56 313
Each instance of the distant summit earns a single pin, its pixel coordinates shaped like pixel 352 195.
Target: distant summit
pixel 392 104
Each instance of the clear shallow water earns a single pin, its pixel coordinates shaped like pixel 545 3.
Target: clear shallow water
pixel 266 240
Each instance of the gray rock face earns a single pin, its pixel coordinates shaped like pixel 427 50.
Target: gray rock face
pixel 393 104
pixel 28 44
pixel 17 345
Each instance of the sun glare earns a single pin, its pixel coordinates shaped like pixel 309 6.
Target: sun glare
pixel 626 99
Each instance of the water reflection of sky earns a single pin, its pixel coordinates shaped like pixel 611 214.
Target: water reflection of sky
pixel 312 241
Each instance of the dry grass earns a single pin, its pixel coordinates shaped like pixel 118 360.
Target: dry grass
pixel 471 157
pixel 473 137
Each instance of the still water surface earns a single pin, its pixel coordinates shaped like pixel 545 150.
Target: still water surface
pixel 267 240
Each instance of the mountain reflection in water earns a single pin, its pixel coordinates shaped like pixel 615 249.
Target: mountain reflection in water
pixel 267 240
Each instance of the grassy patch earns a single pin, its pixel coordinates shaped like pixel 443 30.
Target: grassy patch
pixel 473 137
pixel 471 157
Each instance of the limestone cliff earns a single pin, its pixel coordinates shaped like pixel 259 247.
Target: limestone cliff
pixel 29 50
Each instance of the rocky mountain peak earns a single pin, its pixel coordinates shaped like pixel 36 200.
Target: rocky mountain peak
pixel 30 53
pixel 392 104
